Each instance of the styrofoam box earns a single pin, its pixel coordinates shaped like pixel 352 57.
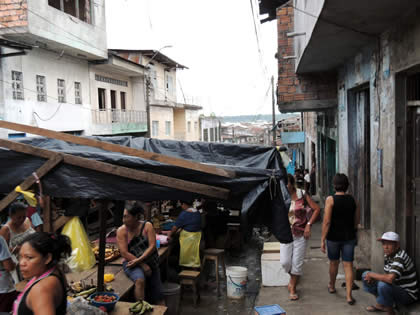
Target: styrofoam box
pixel 273 273
pixel 271 247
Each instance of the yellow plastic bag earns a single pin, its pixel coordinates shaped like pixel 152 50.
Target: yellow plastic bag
pixel 28 195
pixel 82 256
pixel 189 255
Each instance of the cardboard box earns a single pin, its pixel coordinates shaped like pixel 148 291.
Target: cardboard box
pixel 273 273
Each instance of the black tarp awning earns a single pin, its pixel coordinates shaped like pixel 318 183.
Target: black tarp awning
pixel 259 174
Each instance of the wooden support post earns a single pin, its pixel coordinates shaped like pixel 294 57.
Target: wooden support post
pixel 47 214
pixel 102 242
pixel 119 148
pixel 54 159
pixel 151 178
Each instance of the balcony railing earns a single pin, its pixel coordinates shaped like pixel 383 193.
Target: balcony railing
pixel 114 116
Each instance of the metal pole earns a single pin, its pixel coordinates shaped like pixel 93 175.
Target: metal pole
pixel 147 78
pixel 274 111
pixel 102 241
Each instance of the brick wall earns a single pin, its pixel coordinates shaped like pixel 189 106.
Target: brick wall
pixel 293 88
pixel 13 13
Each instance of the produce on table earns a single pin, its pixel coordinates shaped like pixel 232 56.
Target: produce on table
pixel 108 277
pixel 104 298
pixel 111 251
pixel 140 307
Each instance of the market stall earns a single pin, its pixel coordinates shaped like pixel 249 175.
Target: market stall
pixel 126 168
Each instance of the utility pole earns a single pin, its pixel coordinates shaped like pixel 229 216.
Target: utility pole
pixel 233 134
pixel 147 78
pixel 274 111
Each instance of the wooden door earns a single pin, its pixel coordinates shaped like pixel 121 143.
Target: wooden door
pixel 413 183
pixel 359 151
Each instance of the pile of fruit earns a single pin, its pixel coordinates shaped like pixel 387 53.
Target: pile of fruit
pixel 140 308
pixel 111 251
pixel 81 288
pixel 105 298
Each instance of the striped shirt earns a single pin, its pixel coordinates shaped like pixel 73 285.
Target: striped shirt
pixel 403 267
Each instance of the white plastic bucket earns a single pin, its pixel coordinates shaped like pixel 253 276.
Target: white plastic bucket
pixel 237 278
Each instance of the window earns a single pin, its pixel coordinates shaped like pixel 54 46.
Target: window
pixel 101 99
pixel 77 8
pixel 122 96
pixel 211 134
pixel 113 99
pixel 17 85
pixel 77 92
pixel 167 128
pixel 196 126
pixel 155 128
pixel 152 76
pixel 61 90
pixel 189 126
pixel 206 135
pixel 41 88
pixel 169 84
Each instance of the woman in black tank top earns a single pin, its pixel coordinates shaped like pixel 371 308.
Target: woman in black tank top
pixel 341 218
pixel 45 292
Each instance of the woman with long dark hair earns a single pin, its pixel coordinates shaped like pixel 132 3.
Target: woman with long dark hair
pixel 137 243
pixel 45 293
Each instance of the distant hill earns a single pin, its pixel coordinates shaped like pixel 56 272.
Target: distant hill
pixel 253 118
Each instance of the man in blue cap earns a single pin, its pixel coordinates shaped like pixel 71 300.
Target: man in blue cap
pixel 398 285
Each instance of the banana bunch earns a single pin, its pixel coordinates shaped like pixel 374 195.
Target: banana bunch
pixel 140 307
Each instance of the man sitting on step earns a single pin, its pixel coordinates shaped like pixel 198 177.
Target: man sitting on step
pixel 398 286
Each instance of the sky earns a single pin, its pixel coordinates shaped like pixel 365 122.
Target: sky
pixel 229 73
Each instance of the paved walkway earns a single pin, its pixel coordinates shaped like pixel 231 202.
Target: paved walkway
pixel 312 289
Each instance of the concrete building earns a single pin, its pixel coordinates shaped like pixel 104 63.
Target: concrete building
pixel 354 65
pixel 49 85
pixel 168 118
pixel 68 81
pixel 210 129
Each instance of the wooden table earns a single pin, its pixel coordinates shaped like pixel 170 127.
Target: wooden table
pixel 121 308
pixel 121 285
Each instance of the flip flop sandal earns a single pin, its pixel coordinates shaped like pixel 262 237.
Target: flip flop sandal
pixel 351 302
pixel 293 297
pixel 373 308
pixel 331 291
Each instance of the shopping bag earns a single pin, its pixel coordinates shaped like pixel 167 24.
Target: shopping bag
pixel 82 256
pixel 189 255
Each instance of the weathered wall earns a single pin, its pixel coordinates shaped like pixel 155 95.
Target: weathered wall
pixel 299 92
pixel 192 117
pixel 162 114
pixel 399 50
pixel 13 13
pixel 57 116
pixel 44 25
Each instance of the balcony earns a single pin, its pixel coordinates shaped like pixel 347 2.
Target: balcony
pixel 341 28
pixel 116 121
pixel 76 27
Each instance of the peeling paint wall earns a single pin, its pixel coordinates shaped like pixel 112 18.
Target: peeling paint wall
pixel 377 66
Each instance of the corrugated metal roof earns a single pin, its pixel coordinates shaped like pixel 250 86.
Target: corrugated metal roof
pixel 293 137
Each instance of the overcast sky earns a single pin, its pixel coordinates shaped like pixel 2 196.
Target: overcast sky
pixel 215 39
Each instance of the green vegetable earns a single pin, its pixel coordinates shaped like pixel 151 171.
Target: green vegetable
pixel 87 292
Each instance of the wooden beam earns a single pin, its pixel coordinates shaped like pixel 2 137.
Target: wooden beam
pixel 119 148
pixel 151 178
pixel 46 213
pixel 54 159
